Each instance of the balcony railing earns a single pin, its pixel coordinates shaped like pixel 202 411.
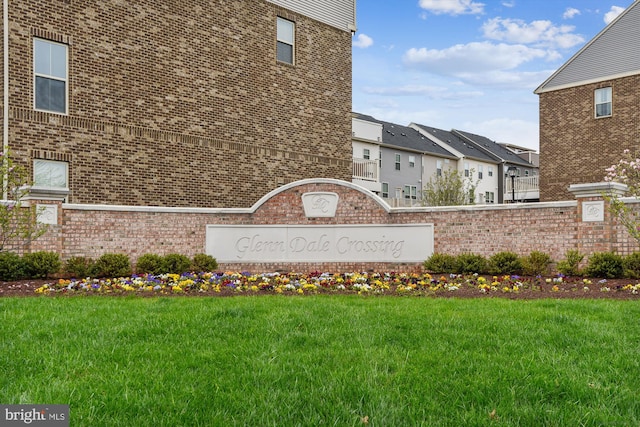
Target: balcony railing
pixel 526 188
pixel 365 169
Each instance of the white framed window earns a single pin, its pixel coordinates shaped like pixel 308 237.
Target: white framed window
pixel 412 161
pixel 489 197
pixel 438 167
pixel 603 102
pixel 490 170
pixel 466 169
pixel 50 174
pixel 385 190
pixel 411 192
pixel 285 41
pixel 480 171
pixel 50 76
pixel 366 154
pixel 398 159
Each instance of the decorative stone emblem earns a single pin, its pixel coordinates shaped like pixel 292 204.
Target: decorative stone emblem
pixel 593 211
pixel 47 214
pixel 320 204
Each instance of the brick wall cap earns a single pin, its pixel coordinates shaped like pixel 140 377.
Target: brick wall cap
pixel 597 189
pixel 333 181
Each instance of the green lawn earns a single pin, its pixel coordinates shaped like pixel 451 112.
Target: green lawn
pixel 324 360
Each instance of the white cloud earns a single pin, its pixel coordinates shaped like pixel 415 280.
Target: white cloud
pixel 541 33
pixel 476 57
pixel 508 3
pixel 612 14
pixel 570 13
pixel 452 7
pixel 362 41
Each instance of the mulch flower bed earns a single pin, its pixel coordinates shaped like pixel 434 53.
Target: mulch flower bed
pixel 398 284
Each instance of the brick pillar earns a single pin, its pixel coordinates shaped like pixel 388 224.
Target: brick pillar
pixel 595 225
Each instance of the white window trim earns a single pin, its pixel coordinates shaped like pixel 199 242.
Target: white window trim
pixel 292 43
pixel 65 80
pixel 596 103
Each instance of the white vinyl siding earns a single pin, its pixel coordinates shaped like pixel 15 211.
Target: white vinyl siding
pixel 337 13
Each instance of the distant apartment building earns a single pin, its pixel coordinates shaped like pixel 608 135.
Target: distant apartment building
pixel 160 103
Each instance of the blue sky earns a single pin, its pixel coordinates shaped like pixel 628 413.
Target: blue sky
pixel 468 64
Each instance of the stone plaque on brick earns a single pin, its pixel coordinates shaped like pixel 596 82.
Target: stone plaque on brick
pixel 321 243
pixel 47 214
pixel 593 211
pixel 320 204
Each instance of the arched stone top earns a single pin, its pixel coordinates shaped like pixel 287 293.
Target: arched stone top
pixel 309 181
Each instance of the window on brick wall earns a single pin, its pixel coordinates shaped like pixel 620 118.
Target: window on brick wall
pixel 285 41
pixel 603 102
pixel 50 76
pixel 49 174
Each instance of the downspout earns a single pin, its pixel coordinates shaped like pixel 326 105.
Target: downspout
pixel 5 92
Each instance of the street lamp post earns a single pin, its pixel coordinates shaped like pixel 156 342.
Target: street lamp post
pixel 512 171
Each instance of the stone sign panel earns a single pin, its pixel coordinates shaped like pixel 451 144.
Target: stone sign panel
pixel 320 243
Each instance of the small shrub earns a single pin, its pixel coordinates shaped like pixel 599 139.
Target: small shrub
pixel 111 265
pixel 152 264
pixel 11 266
pixel 204 262
pixel 440 263
pixel 177 263
pixel 536 263
pixel 505 263
pixel 569 266
pixel 41 264
pixel 78 266
pixel 631 265
pixel 468 263
pixel 606 265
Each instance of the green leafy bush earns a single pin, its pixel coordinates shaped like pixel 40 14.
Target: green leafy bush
pixel 569 266
pixel 78 266
pixel 152 264
pixel 505 263
pixel 440 263
pixel 111 265
pixel 537 263
pixel 468 263
pixel 41 264
pixel 204 262
pixel 11 266
pixel 631 265
pixel 177 263
pixel 607 265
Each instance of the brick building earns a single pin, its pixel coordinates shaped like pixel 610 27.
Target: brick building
pixel 589 109
pixel 166 103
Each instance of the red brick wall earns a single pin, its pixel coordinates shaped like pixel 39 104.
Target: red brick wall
pixel 575 147
pixel 182 103
pixel 553 228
